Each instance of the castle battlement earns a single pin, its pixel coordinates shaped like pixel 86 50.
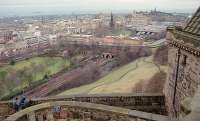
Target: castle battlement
pixel 184 64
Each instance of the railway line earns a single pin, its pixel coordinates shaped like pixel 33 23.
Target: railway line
pixel 61 79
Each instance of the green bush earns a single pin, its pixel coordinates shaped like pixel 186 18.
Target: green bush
pixel 12 62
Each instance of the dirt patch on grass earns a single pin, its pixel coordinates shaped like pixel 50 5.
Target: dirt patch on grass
pixel 161 55
pixel 154 85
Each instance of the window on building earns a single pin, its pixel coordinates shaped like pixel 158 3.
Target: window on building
pixel 184 60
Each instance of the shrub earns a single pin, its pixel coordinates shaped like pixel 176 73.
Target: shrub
pixel 12 62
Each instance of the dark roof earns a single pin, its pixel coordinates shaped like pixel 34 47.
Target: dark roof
pixel 193 26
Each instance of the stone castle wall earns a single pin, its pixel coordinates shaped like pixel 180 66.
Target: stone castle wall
pixel 81 111
pixel 183 78
pixel 76 114
pixel 153 103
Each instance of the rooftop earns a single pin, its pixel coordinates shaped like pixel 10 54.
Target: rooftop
pixel 193 26
pixel 189 36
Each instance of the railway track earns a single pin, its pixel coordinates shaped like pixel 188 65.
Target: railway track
pixel 59 80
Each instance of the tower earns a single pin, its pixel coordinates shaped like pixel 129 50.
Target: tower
pixel 112 24
pixel 43 20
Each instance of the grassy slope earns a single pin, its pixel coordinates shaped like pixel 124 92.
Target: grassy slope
pixel 121 80
pixel 48 65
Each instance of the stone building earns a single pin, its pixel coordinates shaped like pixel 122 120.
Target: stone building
pixel 137 20
pixel 184 64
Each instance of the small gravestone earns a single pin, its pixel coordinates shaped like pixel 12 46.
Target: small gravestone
pixel 40 117
pixel 56 109
pixel 63 115
pixel 50 116
pixel 31 116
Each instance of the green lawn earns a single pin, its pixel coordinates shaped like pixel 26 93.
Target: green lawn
pixel 121 80
pixel 23 73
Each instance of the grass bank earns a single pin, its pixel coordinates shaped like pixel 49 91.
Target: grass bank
pixel 121 80
pixel 22 74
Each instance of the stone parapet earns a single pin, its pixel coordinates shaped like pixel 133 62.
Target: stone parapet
pixel 81 111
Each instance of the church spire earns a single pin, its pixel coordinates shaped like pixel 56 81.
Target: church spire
pixel 112 24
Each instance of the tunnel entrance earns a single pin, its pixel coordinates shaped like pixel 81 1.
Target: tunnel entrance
pixel 107 55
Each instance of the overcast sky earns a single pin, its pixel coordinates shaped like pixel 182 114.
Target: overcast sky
pixel 18 6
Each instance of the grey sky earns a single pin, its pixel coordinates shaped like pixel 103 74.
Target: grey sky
pixel 97 5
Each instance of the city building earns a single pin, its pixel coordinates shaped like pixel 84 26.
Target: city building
pixel 137 20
